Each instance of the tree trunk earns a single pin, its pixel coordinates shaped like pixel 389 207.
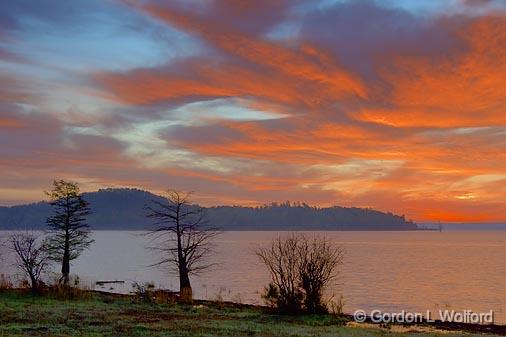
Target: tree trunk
pixel 35 284
pixel 65 271
pixel 65 267
pixel 185 288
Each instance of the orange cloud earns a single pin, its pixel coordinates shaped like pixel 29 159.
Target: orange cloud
pixel 303 62
pixel 465 89
pixel 147 87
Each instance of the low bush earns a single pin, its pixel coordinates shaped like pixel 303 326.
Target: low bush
pixel 147 293
pixel 301 268
pixel 75 289
pixel 5 283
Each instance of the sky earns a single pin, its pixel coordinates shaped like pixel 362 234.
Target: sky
pixel 398 105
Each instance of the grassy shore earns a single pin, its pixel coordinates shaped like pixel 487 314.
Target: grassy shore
pixel 102 315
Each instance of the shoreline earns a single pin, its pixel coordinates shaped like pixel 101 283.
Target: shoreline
pixel 100 313
pixel 497 329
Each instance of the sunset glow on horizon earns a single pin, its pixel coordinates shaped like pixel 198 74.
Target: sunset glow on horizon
pixel 395 105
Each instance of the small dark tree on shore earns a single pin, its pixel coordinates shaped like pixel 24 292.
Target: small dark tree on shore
pixel 181 234
pixel 300 268
pixel 282 261
pixel 68 233
pixel 319 261
pixel 31 258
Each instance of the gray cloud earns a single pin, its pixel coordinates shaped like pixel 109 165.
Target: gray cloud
pixel 362 34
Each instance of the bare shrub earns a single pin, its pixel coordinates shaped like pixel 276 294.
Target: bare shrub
pixel 301 268
pixel 144 292
pixel 148 293
pixel 5 283
pixel 282 261
pixel 76 289
pixel 336 306
pixel 318 264
pixel 31 258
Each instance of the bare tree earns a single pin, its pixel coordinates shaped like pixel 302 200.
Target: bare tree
pixel 181 234
pixel 282 261
pixel 319 260
pixel 68 233
pixel 31 258
pixel 300 268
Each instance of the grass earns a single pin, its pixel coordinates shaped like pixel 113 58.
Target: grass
pixel 101 315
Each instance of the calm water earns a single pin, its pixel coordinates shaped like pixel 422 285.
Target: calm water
pixel 390 271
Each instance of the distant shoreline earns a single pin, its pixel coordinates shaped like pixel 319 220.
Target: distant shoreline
pixel 125 209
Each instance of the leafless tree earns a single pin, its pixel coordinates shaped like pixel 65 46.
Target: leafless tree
pixel 300 268
pixel 318 266
pixel 282 261
pixel 31 258
pixel 68 234
pixel 183 237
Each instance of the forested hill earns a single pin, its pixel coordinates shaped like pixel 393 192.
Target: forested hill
pixel 124 209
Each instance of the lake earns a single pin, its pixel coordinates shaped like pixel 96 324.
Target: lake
pixel 389 271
